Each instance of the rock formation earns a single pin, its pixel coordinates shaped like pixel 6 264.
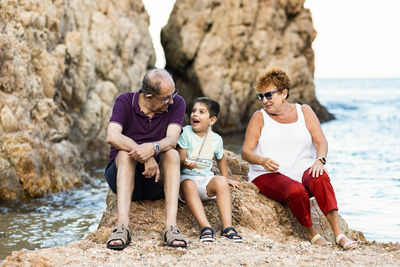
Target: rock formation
pixel 217 48
pixel 62 63
pixel 251 210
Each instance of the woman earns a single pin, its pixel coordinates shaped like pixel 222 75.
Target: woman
pixel 286 149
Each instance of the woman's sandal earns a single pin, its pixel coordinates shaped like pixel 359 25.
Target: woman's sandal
pixel 317 237
pixel 171 234
pixel 234 237
pixel 207 234
pixel 347 246
pixel 121 233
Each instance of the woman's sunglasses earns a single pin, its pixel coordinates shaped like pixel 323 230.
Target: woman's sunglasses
pixel 267 95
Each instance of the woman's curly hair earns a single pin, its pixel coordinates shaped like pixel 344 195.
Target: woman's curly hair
pixel 276 77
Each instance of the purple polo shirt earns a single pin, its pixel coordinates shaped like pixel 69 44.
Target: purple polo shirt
pixel 138 126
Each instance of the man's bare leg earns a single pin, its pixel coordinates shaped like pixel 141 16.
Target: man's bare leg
pixel 170 170
pixel 125 184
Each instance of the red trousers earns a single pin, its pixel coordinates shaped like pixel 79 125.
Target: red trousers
pixel 297 195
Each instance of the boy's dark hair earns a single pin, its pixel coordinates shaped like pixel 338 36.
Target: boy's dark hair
pixel 211 104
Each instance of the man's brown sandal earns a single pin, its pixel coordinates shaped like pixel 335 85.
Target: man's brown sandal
pixel 121 233
pixel 171 234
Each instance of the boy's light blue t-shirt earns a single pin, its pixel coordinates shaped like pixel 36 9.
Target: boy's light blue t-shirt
pixel 208 149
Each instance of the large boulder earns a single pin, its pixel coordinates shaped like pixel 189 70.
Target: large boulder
pixel 217 48
pixel 62 63
pixel 251 210
pixel 271 237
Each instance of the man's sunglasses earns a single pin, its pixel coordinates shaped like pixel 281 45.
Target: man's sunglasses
pixel 166 100
pixel 267 95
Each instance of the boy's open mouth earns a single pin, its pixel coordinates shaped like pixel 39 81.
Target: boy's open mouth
pixel 195 121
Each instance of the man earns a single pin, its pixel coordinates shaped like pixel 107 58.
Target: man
pixel 143 131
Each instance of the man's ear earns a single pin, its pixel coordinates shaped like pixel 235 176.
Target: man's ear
pixel 213 120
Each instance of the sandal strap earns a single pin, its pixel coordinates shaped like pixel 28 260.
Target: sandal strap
pixel 120 233
pixel 227 229
pixel 346 245
pixel 207 233
pixel 205 229
pixel 338 237
pixel 232 235
pixel 315 238
pixel 172 233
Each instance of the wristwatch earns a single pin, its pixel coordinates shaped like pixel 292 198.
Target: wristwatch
pixel 323 160
pixel 156 148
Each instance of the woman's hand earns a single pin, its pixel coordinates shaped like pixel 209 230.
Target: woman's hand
pixel 188 164
pixel 317 169
pixel 270 165
pixel 233 183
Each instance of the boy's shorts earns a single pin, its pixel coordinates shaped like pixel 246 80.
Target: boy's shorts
pixel 201 184
pixel 144 189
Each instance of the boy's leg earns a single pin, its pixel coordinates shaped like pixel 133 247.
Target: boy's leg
pixel 193 201
pixel 218 186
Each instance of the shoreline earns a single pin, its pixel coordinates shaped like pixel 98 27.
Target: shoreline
pixel 147 249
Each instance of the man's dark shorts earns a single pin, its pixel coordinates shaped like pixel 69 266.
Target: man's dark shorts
pixel 145 188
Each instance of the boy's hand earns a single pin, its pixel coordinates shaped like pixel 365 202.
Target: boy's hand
pixel 189 164
pixel 233 183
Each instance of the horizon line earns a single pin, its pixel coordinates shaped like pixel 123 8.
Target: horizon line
pixel 356 78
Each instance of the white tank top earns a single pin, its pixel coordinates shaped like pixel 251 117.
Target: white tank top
pixel 288 144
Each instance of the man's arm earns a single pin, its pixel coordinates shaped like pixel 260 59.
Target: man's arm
pixel 145 151
pixel 170 141
pixel 117 139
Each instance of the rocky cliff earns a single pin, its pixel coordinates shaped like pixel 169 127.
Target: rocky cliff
pixel 217 48
pixel 62 63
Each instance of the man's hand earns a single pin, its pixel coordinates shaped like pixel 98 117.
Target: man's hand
pixel 142 152
pixel 151 168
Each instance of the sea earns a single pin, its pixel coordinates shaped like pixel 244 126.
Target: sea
pixel 363 163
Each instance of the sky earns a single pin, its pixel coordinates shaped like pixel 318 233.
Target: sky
pixel 355 38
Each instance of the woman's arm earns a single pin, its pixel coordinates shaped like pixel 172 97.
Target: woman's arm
pixel 318 139
pixel 251 138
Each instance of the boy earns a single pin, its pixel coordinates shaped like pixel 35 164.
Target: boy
pixel 197 145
